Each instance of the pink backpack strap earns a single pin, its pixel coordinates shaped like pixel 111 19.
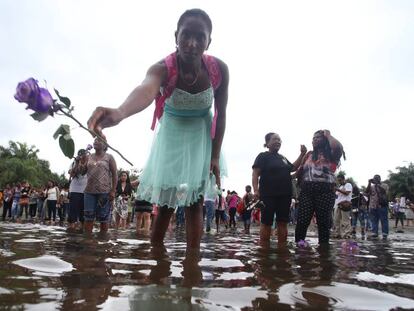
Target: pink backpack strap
pixel 172 77
pixel 170 61
pixel 214 73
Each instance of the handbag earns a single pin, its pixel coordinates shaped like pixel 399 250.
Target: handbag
pixel 24 201
pixel 345 206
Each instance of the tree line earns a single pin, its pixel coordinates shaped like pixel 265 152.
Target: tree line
pixel 20 162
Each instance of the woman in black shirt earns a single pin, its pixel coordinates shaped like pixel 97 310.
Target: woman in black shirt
pixel 272 184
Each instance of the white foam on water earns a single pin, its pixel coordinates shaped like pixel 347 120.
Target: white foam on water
pixel 5 291
pixel 46 263
pixel 366 256
pixel 235 276
pixel 29 240
pixel 399 278
pixel 119 271
pixel 341 296
pixel 6 253
pixel 131 261
pixel 221 263
pixel 132 241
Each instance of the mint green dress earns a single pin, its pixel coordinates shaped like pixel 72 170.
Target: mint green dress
pixel 178 168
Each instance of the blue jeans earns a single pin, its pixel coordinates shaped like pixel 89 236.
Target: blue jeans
pixel 97 206
pixel 180 215
pixel 361 215
pixel 209 213
pixel 15 210
pixel 379 214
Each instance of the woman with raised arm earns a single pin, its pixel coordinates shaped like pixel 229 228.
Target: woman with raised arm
pixel 317 183
pixel 188 143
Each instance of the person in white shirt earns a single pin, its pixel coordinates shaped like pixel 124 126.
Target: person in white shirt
pixel 52 195
pixel 343 206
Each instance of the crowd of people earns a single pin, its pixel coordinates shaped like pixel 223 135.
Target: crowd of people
pixel 181 180
pixel 271 206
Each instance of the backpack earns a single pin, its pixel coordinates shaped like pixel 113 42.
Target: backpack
pixel 240 207
pixel 170 61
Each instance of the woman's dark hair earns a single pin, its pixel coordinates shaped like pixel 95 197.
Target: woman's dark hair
pixel 128 187
pixel 128 181
pixel 268 136
pixel 196 13
pixel 323 148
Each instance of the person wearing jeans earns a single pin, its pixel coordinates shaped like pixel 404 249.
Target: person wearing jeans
pixel 378 206
pixel 210 201
pixel 100 188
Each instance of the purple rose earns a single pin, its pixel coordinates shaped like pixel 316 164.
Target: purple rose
pixel 303 244
pixel 36 98
pixel 27 90
pixel 43 101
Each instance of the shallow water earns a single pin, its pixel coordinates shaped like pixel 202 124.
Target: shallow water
pixel 45 268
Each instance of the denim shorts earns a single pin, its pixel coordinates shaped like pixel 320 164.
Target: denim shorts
pixel 97 207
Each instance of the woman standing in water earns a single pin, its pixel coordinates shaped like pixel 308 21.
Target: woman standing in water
pixel 272 184
pixel 317 196
pixel 100 188
pixel 123 194
pixel 188 143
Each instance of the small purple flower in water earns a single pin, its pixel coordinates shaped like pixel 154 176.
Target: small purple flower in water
pixel 351 246
pixel 303 244
pixel 37 99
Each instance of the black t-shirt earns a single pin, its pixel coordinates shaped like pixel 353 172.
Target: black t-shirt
pixel 25 192
pixel 275 179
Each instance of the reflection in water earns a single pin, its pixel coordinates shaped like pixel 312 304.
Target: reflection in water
pixel 47 268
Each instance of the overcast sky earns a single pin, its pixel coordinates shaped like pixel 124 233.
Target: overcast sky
pixel 295 67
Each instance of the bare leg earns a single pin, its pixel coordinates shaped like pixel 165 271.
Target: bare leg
pixel 87 227
pixel 147 222
pixel 194 225
pixel 139 221
pixel 117 220
pixel 122 223
pixel 282 232
pixel 265 233
pixel 104 227
pixel 161 224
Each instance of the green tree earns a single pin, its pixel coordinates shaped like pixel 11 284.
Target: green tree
pixel 19 162
pixel 401 182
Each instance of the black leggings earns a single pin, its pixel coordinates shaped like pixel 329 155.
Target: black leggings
pixel 7 207
pixel 315 198
pixel 232 214
pixel 51 206
pixel 399 216
pixel 32 210
pixel 24 207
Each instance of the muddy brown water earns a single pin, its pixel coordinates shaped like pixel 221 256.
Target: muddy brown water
pixel 46 268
